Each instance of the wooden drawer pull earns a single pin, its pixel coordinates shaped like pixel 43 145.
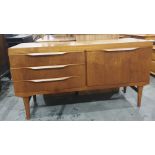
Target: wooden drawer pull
pixel 46 54
pixel 120 49
pixel 50 80
pixel 51 67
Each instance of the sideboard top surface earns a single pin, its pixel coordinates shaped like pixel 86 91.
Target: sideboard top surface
pixel 145 36
pixel 78 45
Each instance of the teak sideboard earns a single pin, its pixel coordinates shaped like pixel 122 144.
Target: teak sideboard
pixel 46 68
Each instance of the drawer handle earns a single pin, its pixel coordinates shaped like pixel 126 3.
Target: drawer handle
pixel 46 54
pixel 51 67
pixel 120 49
pixel 50 80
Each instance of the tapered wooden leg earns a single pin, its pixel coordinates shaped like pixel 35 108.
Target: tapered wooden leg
pixel 27 107
pixel 124 89
pixel 140 90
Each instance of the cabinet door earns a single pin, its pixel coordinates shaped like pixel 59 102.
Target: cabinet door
pixel 118 66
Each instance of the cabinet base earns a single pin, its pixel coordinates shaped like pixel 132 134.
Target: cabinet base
pixel 27 99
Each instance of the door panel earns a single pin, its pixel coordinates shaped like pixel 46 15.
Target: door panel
pixel 140 65
pixel 118 66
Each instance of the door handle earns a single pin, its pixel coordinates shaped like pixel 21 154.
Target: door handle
pixel 120 49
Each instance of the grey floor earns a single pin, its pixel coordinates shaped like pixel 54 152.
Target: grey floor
pixel 82 107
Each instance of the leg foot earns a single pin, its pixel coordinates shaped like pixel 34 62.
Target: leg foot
pixel 27 107
pixel 139 98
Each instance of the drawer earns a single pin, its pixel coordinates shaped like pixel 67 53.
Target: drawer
pixel 46 59
pixel 153 66
pixel 46 72
pixel 153 56
pixel 52 85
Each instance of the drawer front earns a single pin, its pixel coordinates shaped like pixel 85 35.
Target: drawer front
pixel 153 66
pixel 52 85
pixel 46 59
pixel 153 56
pixel 46 72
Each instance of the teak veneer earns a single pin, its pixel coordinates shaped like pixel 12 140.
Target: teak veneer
pixel 147 37
pixel 153 62
pixel 52 67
